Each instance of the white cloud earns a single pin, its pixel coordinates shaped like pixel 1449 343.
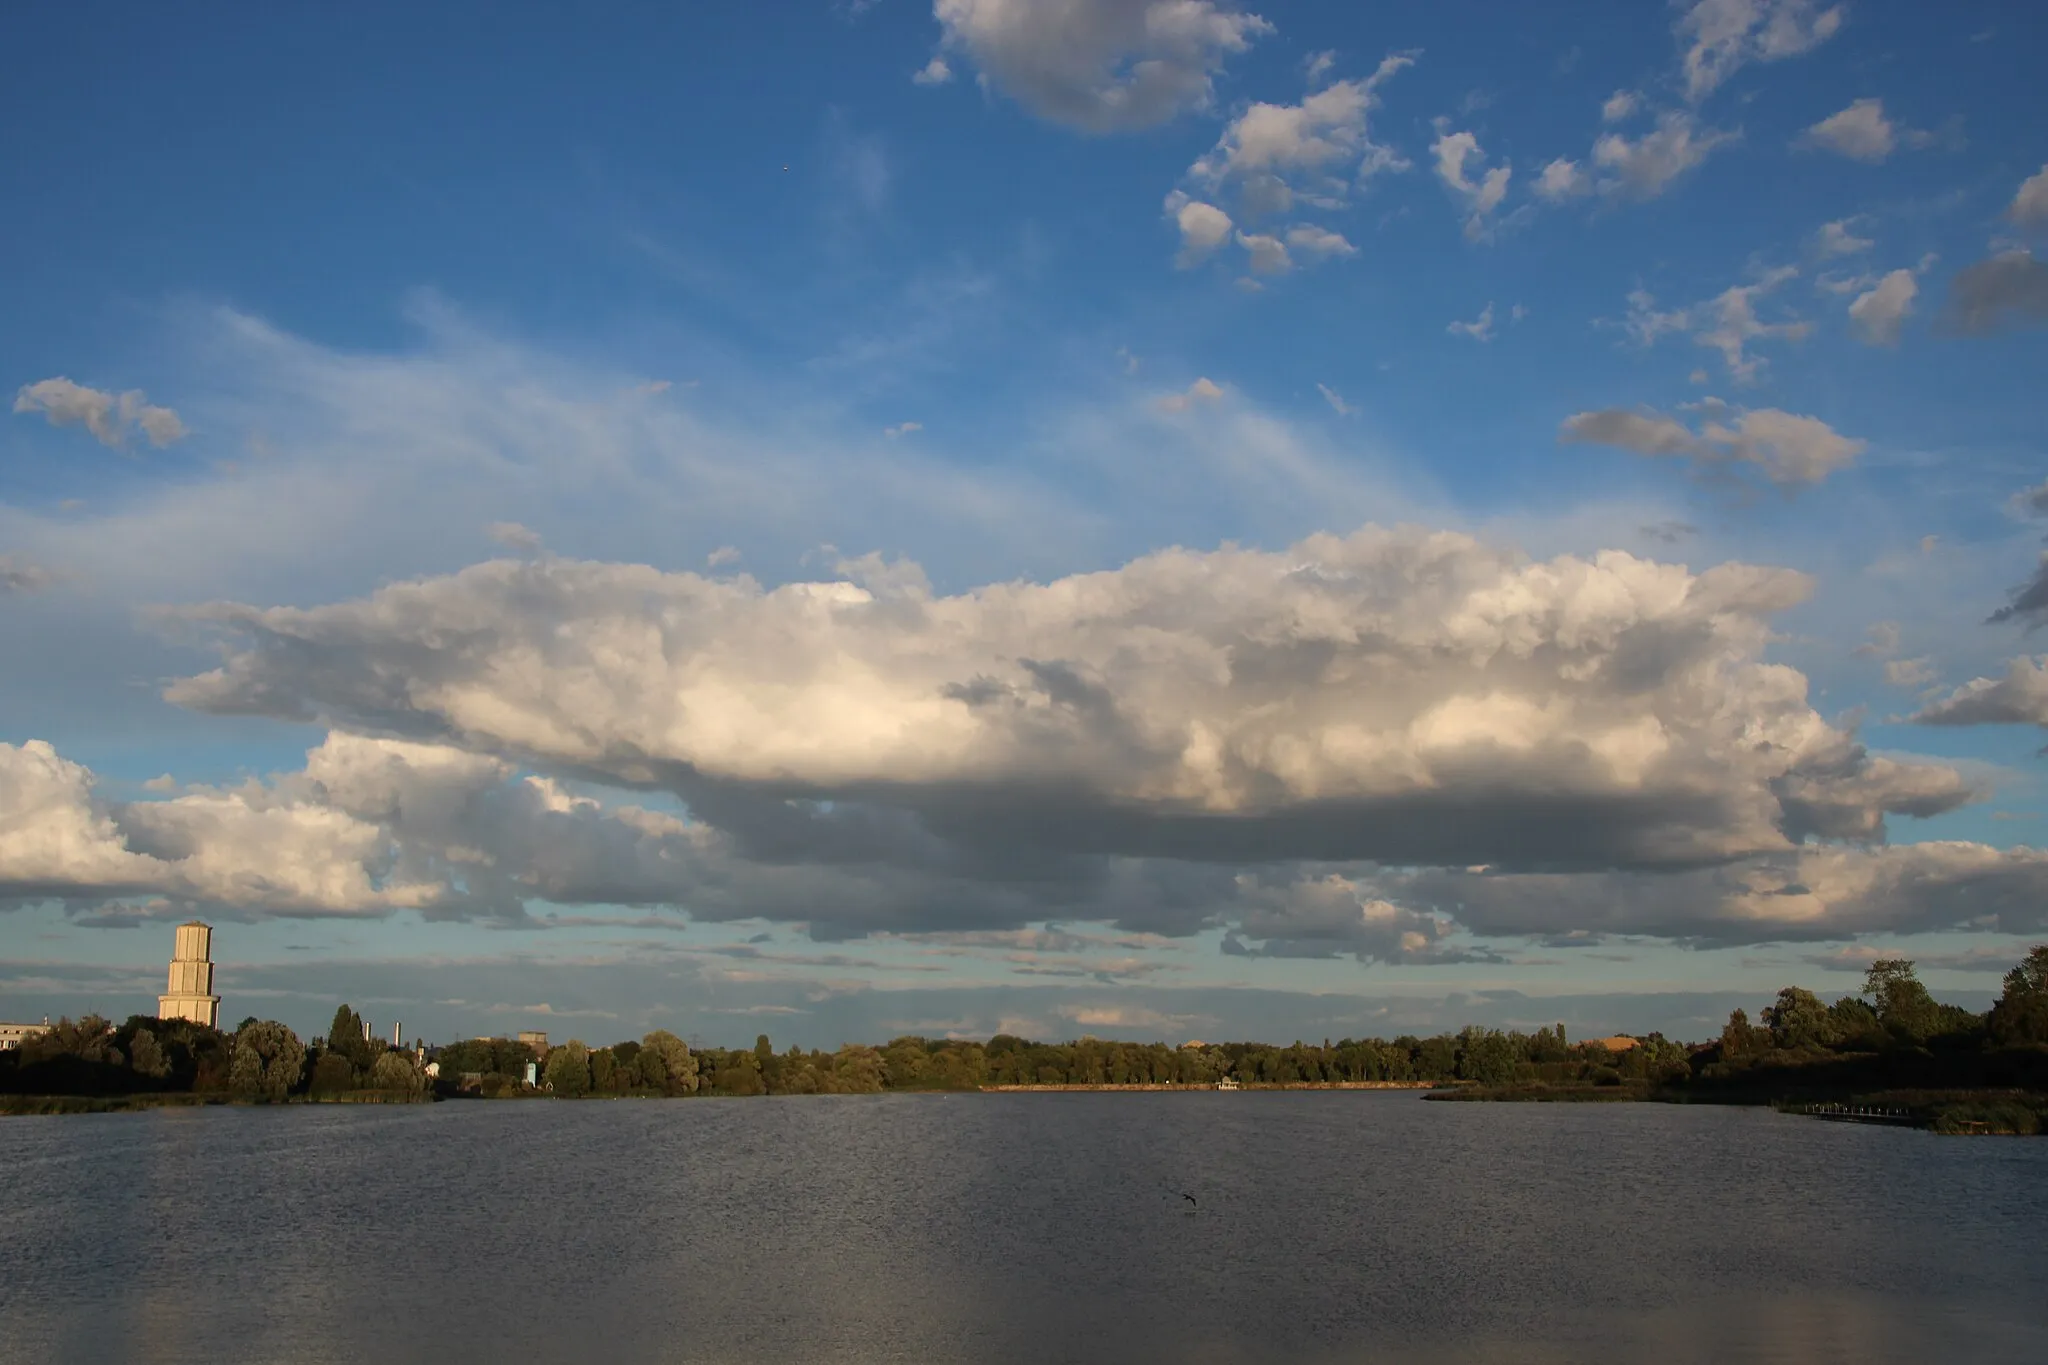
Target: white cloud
pixel 2029 207
pixel 1844 285
pixel 513 536
pixel 902 429
pixel 109 417
pixel 1881 313
pixel 1479 329
pixel 1726 323
pixel 245 846
pixel 1312 917
pixel 1318 243
pixel 1201 391
pixel 1645 322
pixel 1406 696
pixel 1562 179
pixel 2018 698
pixel 1316 66
pixel 1644 167
pixel 160 425
pixel 1203 227
pixel 723 555
pixel 1814 894
pixel 1100 66
pixel 876 759
pixel 934 72
pixel 1790 450
pixel 1835 239
pixel 1481 196
pixel 1315 149
pixel 1732 324
pixel 1861 132
pixel 1620 106
pixel 1335 400
pixel 1722 36
pixel 1268 254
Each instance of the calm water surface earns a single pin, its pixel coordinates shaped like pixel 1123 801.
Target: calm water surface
pixel 1331 1227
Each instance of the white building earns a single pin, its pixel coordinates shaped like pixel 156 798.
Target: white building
pixel 190 994
pixel 13 1036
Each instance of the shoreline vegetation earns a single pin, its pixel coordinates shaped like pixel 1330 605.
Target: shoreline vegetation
pixel 1890 1054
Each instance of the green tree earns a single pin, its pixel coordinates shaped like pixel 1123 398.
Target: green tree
pixel 1797 1019
pixel 268 1060
pixel 146 1055
pixel 1738 1037
pixel 665 1064
pixel 91 1039
pixel 345 1038
pixel 1854 1023
pixel 2021 1014
pixel 568 1069
pixel 332 1074
pixel 1487 1057
pixel 397 1072
pixel 1904 1008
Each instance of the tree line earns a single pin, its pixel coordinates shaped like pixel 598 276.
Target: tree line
pixel 1893 1032
pixel 261 1060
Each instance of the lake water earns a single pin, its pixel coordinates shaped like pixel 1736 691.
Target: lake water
pixel 1329 1227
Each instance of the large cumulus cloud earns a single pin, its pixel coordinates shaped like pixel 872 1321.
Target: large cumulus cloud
pixel 1399 696
pixel 1393 745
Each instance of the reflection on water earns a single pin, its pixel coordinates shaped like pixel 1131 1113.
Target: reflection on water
pixel 1332 1227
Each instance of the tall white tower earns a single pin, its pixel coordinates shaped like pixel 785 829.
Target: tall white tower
pixel 190 994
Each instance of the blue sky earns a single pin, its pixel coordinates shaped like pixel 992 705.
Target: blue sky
pixel 478 393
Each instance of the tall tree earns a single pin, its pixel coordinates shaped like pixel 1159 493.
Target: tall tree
pixel 345 1038
pixel 1904 1007
pixel 665 1063
pixel 1797 1019
pixel 146 1055
pixel 568 1069
pixel 2021 1014
pixel 268 1060
pixel 397 1072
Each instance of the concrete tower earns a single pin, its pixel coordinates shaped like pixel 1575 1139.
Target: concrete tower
pixel 190 995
